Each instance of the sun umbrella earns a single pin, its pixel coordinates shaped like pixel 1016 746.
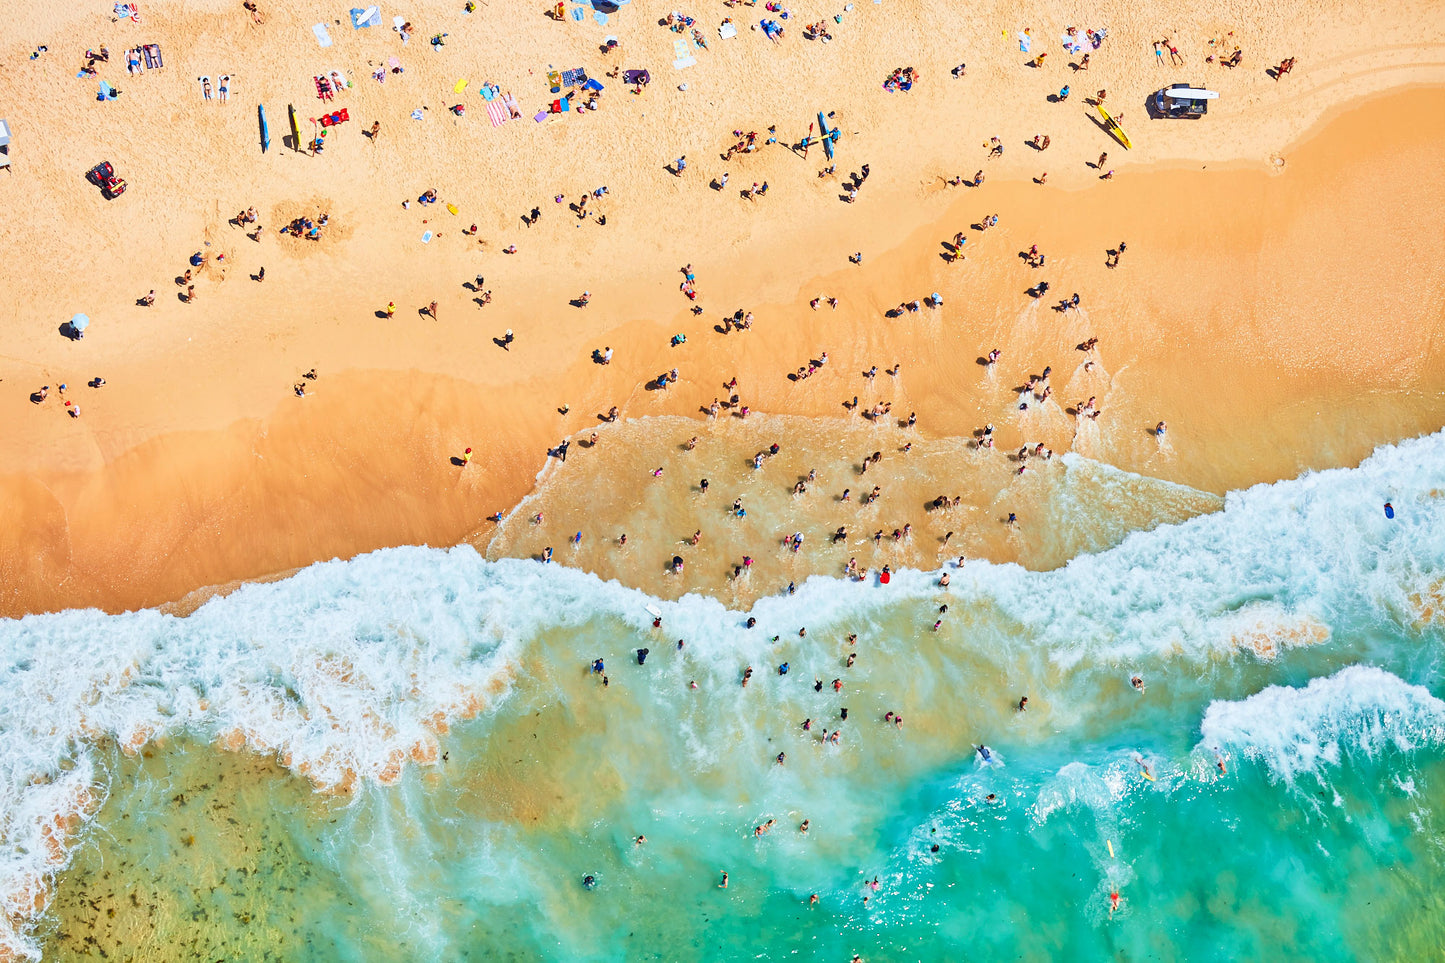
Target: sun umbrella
pixel 80 322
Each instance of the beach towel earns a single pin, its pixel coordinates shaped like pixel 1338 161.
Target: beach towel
pixel 322 37
pixel 571 78
pixel 338 80
pixel 323 88
pixel 579 13
pixel 460 85
pixel 600 17
pixel 636 77
pixel 727 31
pixel 153 56
pixel 128 11
pixel 132 61
pixel 1026 43
pixel 370 17
pixel 593 85
pixel 488 92
pixel 417 114
pixel 497 111
pixel 107 92
pixel 510 103
pixel 206 87
pixel 684 57
pixel 426 237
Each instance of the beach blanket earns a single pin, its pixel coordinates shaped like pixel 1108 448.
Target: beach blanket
pixel 107 92
pixel 338 80
pixel 323 89
pixel 460 85
pixel 727 31
pixel 153 56
pixel 600 17
pixel 571 78
pixel 370 17
pixel 488 92
pixel 579 13
pixel 636 77
pixel 132 61
pixel 322 37
pixel 128 11
pixel 683 57
pixel 498 113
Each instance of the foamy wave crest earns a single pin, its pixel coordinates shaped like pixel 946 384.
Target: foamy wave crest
pixel 1279 565
pixel 346 672
pixel 1300 731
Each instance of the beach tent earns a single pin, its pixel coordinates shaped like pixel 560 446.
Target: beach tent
pixel 4 143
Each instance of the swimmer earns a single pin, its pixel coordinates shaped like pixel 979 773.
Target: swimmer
pixel 1113 902
pixel 639 840
pixel 1219 763
pixel 589 881
pixel 724 883
pixel 813 900
pixel 804 829
pixel 1023 703
pixel 692 685
pixel 852 657
pixel 943 580
pixel 1137 682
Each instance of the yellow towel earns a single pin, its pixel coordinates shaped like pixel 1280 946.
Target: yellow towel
pixel 460 86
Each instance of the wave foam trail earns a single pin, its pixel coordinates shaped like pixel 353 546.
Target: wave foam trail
pixel 1300 731
pixel 1273 570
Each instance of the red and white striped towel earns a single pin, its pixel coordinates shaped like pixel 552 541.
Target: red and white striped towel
pixel 498 112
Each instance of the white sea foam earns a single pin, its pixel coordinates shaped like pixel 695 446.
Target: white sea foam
pixel 1299 731
pixel 347 672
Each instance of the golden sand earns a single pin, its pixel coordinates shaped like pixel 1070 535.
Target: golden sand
pixel 1274 305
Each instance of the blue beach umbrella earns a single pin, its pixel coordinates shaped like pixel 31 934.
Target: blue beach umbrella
pixel 80 322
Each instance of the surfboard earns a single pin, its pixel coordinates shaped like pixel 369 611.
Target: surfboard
pixel 824 135
pixel 1113 126
pixel 265 128
pixel 1148 775
pixel 654 611
pixel 295 131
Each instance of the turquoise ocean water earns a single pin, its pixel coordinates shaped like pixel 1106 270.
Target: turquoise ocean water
pixel 407 756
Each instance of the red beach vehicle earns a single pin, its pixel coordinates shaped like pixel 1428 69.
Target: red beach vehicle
pixel 102 175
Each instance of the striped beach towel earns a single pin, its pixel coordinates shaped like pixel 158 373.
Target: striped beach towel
pixel 497 111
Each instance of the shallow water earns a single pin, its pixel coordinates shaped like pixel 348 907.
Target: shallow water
pixel 473 770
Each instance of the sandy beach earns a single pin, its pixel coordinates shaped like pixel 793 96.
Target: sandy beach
pixel 1267 244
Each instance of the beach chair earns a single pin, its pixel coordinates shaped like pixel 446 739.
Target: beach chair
pixel 153 56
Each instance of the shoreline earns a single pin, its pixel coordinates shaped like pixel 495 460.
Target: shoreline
pixel 174 487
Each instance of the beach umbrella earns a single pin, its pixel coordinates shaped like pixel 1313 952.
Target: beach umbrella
pixel 80 322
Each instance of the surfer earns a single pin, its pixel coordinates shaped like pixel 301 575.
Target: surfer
pixel 642 655
pixel 589 881
pixel 1389 510
pixel 984 754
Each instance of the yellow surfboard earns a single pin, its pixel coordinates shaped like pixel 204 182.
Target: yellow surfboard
pixel 1113 127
